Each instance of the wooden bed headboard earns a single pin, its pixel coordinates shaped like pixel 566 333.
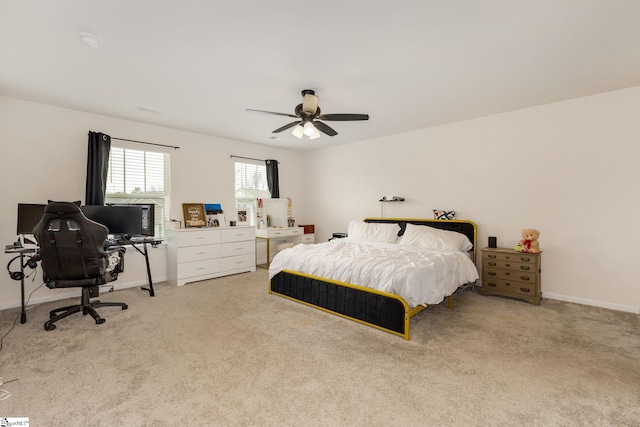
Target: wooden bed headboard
pixel 468 228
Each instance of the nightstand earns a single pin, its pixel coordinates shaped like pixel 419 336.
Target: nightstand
pixel 511 274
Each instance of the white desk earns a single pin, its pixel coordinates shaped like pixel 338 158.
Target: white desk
pixel 291 234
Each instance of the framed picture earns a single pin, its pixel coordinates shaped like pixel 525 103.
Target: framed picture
pixel 244 216
pixel 194 215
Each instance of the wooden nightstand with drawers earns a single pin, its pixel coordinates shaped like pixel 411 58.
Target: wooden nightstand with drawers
pixel 511 274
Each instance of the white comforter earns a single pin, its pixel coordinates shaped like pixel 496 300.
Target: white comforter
pixel 420 276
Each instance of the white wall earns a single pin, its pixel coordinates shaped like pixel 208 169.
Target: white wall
pixel 43 152
pixel 569 169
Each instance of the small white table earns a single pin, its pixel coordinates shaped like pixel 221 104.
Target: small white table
pixel 292 234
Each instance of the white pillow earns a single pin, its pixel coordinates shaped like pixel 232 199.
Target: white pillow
pixel 434 238
pixel 373 232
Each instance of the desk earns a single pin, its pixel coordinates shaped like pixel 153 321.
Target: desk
pixel 10 249
pixel 277 233
pixel 135 242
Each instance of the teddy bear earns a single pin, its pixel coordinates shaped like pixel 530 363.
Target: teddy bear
pixel 529 242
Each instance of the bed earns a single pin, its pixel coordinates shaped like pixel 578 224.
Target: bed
pixel 386 271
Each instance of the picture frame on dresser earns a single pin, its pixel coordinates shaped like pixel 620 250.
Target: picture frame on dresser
pixel 194 215
pixel 244 215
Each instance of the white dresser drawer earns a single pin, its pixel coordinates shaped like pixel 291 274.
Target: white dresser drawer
pixel 237 248
pixel 284 232
pixel 308 238
pixel 238 262
pixel 198 268
pixel 198 253
pixel 237 234
pixel 198 237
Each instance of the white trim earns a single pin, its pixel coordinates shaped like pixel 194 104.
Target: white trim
pixel 584 301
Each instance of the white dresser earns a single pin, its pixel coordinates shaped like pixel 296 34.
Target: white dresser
pixel 205 253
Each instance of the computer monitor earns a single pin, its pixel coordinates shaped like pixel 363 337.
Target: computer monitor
pixel 148 216
pixel 29 215
pixel 120 220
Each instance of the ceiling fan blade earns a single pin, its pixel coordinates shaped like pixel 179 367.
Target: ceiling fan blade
pixel 272 112
pixel 344 117
pixel 324 128
pixel 285 127
pixel 310 103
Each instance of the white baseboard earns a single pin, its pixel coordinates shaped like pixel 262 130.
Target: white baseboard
pixel 584 301
pixel 65 293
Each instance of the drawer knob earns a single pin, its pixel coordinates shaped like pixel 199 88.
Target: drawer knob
pixel 525 259
pixel 508 265
pixel 507 284
pixel 491 273
pixel 492 284
pixel 524 289
pixel 492 264
pixel 492 256
pixel 523 277
pixel 507 257
pixel 524 267
pixel 507 274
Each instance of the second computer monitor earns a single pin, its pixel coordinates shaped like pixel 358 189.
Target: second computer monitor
pixel 120 220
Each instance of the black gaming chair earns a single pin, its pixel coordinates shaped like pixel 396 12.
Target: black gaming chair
pixel 73 255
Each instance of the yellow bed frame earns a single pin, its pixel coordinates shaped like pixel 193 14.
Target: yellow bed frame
pixel 381 310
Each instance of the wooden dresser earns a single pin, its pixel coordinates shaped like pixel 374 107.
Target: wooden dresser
pixel 511 274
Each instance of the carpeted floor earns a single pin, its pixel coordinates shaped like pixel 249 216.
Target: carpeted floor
pixel 224 352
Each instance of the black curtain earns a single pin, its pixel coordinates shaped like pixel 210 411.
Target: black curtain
pixel 97 168
pixel 272 178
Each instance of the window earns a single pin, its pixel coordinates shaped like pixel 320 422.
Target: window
pixel 138 176
pixel 251 184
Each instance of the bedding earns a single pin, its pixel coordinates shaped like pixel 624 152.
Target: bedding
pixel 422 276
pixel 378 276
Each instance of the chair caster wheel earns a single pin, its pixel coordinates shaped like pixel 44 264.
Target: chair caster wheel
pixel 124 307
pixel 100 321
pixel 49 327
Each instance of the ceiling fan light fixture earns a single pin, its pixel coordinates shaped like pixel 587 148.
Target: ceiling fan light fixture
pixel 298 131
pixel 309 129
pixel 315 135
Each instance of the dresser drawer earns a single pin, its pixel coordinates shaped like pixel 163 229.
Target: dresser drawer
pixel 308 238
pixel 509 256
pixel 238 262
pixel 198 268
pixel 284 232
pixel 513 275
pixel 198 253
pixel 510 286
pixel 237 234
pixel 238 248
pixel 193 238
pixel 508 265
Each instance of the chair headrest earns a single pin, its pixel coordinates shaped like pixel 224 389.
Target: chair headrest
pixel 61 208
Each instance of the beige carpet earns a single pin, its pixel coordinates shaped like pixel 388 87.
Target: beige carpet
pixel 225 353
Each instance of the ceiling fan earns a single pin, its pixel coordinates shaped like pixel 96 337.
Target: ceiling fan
pixel 309 116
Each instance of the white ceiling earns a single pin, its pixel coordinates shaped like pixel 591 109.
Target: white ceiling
pixel 409 64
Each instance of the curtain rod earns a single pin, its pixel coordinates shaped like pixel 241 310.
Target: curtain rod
pixel 148 143
pixel 248 158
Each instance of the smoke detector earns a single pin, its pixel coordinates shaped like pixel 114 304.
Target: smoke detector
pixel 90 40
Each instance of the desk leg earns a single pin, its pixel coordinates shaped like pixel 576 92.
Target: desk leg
pixel 146 259
pixel 23 314
pixel 266 265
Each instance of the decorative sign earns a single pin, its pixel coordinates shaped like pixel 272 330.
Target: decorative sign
pixel 194 215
